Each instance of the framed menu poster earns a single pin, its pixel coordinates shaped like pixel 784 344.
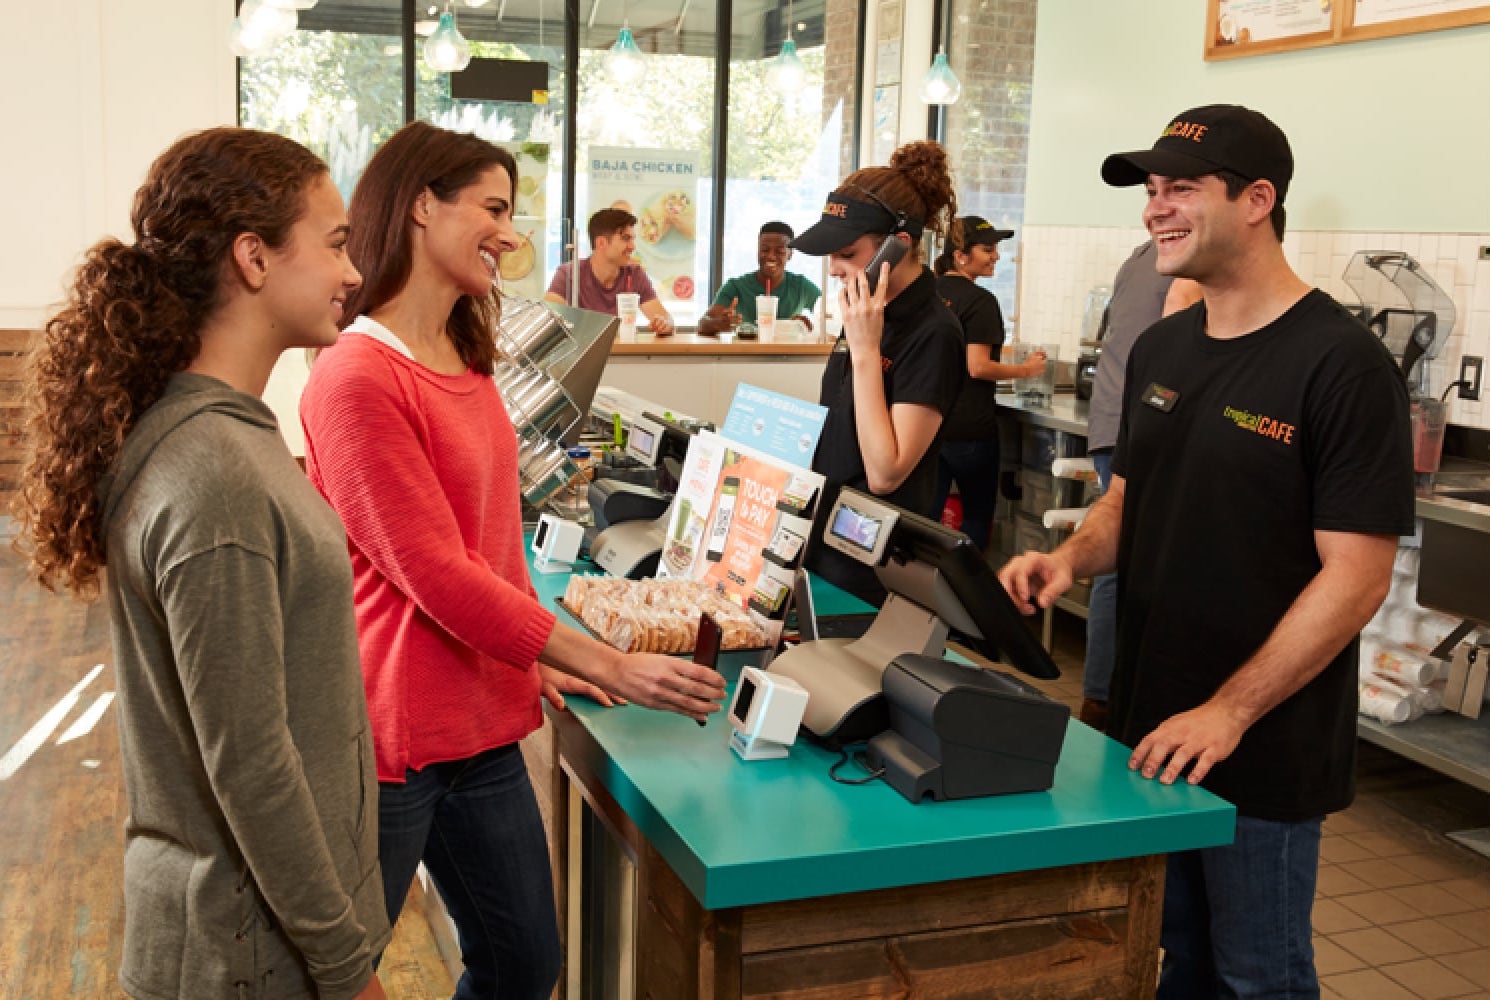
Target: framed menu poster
pixel 1235 28
pixel 1254 27
pixel 1380 18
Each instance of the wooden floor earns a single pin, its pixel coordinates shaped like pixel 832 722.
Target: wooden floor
pixel 62 812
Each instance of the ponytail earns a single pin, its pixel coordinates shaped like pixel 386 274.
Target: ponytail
pixel 133 318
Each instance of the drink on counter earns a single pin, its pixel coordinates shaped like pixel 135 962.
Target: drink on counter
pixel 628 304
pixel 765 315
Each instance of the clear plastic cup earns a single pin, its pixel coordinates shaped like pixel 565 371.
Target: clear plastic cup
pixel 628 304
pixel 765 314
pixel 1038 389
pixel 1428 419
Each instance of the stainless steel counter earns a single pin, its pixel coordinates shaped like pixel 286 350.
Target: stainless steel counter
pixel 1065 413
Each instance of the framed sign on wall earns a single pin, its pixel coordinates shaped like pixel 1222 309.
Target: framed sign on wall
pixel 1238 28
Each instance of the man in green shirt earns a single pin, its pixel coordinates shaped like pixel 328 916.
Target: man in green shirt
pixel 736 299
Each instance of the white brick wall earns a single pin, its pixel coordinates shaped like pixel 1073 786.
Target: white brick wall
pixel 1058 264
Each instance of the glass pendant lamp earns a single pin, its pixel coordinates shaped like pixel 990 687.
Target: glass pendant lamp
pixel 940 85
pixel 446 50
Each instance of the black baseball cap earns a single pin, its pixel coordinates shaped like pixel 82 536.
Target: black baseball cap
pixel 977 231
pixel 1203 140
pixel 845 219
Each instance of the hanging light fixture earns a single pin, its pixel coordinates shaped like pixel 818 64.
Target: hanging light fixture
pixel 624 60
pixel 940 85
pixel 258 26
pixel 786 73
pixel 446 50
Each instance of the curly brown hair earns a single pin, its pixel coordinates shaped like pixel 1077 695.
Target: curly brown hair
pixel 133 318
pixel 918 182
pixel 420 156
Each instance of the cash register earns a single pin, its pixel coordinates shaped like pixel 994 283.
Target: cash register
pixel 630 520
pixel 934 727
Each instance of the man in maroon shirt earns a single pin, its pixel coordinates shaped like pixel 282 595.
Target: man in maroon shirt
pixel 609 270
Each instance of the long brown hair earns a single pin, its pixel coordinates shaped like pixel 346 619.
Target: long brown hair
pixel 918 182
pixel 133 318
pixel 420 156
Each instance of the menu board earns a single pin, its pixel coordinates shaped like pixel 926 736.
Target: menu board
pixel 1257 27
pixel 1244 27
pixel 1374 18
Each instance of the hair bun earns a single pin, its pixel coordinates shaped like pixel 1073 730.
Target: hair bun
pixel 925 165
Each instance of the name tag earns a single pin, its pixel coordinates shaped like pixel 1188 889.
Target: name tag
pixel 1160 398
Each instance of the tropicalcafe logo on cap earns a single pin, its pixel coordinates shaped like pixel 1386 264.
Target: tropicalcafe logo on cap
pixel 836 208
pixel 984 225
pixel 1185 130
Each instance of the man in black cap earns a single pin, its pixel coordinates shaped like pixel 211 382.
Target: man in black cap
pixel 1262 473
pixel 735 301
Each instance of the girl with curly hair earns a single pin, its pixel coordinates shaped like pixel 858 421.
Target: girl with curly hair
pixel 409 440
pixel 250 862
pixel 897 368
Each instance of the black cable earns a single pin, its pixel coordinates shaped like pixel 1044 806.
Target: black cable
pixel 858 758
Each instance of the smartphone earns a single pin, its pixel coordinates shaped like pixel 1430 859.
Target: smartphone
pixel 890 252
pixel 706 650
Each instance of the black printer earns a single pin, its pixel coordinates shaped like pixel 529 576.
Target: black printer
pixel 959 731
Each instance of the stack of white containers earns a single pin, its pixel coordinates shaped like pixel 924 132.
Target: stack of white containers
pixel 1400 677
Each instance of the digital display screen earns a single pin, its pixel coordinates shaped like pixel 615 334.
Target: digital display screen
pixel 856 528
pixel 642 442
pixel 743 699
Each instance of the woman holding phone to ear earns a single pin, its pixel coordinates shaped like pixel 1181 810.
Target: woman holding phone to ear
pixel 897 367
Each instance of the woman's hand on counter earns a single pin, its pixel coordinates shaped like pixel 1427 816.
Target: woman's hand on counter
pixel 556 684
pixel 668 684
pixel 863 314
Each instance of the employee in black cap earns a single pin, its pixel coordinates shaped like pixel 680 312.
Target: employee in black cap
pixel 970 436
pixel 896 369
pixel 1262 475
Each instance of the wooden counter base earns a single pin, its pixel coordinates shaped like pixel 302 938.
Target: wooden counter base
pixel 1082 931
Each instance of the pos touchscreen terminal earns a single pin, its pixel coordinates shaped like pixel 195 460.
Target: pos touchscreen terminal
pixel 937 581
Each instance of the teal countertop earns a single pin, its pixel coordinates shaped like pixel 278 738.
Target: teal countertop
pixel 740 834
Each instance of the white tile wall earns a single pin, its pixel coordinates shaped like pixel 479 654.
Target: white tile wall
pixel 1058 264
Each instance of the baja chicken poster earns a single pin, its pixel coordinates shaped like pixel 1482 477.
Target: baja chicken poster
pixel 660 188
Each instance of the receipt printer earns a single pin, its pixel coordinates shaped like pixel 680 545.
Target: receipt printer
pixel 958 731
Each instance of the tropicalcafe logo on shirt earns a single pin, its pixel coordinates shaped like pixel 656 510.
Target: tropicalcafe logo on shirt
pixel 1268 427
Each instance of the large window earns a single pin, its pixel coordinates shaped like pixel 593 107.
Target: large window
pixel 788 145
pixel 647 142
pixel 336 85
pixel 991 47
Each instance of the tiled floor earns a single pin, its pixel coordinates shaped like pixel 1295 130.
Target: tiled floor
pixel 1401 912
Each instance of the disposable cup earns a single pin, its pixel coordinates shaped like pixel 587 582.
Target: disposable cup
pixel 765 314
pixel 628 304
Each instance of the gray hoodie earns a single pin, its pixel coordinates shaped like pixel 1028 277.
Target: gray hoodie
pixel 250 863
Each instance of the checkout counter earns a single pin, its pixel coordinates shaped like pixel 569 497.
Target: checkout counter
pixel 686 872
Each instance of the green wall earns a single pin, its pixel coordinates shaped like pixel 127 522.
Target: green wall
pixel 1388 136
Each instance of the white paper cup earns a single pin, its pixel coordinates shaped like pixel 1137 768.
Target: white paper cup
pixel 628 304
pixel 765 314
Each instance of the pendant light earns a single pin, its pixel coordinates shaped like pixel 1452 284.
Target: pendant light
pixel 786 72
pixel 258 26
pixel 624 60
pixel 446 49
pixel 940 85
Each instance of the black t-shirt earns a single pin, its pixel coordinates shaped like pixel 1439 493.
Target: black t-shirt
pixel 974 417
pixel 1235 452
pixel 922 357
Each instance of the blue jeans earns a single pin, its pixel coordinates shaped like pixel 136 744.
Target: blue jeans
pixel 476 826
pixel 1237 918
pixel 974 466
pixel 1101 616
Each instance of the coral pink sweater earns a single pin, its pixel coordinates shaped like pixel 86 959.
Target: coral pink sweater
pixel 422 468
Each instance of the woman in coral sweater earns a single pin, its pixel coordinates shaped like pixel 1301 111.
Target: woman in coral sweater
pixel 409 441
